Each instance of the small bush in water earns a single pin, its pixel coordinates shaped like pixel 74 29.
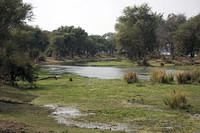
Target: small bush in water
pixel 130 77
pixel 176 100
pixel 159 76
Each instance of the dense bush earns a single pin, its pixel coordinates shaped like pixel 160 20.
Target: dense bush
pixel 130 77
pixel 182 77
pixel 176 100
pixel 195 75
pixel 159 76
pixel 162 64
pixel 16 68
pixel 170 77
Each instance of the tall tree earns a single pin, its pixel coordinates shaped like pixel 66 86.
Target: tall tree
pixel 187 37
pixel 110 43
pixel 12 14
pixel 136 30
pixel 166 31
pixel 15 64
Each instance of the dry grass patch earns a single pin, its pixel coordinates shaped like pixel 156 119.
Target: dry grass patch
pixel 130 77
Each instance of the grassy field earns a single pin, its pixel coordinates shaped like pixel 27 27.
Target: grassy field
pixel 18 115
pixel 115 101
pixel 139 105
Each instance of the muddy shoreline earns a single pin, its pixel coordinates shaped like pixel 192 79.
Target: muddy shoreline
pixel 64 114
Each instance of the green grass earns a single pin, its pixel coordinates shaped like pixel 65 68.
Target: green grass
pixel 114 63
pixel 125 63
pixel 27 117
pixel 108 99
pixel 113 101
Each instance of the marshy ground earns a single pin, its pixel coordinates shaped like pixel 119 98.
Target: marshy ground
pixel 138 106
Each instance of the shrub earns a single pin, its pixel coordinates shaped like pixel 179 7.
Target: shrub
pixel 144 62
pixel 195 75
pixel 16 68
pixel 42 58
pixel 188 76
pixel 182 77
pixel 159 76
pixel 170 77
pixel 130 77
pixel 176 100
pixel 162 64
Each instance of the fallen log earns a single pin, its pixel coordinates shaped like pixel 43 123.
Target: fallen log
pixel 50 77
pixel 11 102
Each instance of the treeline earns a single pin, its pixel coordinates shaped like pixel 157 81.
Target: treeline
pixel 22 46
pixel 142 33
pixel 68 41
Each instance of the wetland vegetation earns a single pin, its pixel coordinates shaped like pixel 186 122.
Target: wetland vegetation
pixel 66 81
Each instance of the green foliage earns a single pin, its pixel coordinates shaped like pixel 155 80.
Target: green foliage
pixel 15 68
pixel 187 37
pixel 130 77
pixel 165 32
pixel 159 76
pixel 15 42
pixel 136 31
pixel 108 99
pixel 176 100
pixel 71 41
pixel 13 13
pixel 162 64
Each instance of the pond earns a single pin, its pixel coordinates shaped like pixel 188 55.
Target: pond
pixel 101 72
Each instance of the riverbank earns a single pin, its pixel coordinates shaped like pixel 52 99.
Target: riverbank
pixel 121 62
pixel 138 107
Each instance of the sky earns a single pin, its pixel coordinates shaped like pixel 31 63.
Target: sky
pixel 99 16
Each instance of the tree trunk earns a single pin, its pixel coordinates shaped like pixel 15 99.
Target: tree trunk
pixel 172 50
pixel 72 53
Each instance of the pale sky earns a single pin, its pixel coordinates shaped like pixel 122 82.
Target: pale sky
pixel 99 16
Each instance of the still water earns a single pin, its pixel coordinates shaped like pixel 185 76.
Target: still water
pixel 101 72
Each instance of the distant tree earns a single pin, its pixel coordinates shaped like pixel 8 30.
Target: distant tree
pixel 91 47
pixel 187 37
pixel 32 40
pixel 74 40
pixel 110 42
pixel 70 43
pixel 166 31
pixel 136 31
pixel 59 46
pixel 80 43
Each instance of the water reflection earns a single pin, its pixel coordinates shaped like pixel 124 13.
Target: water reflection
pixel 101 72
